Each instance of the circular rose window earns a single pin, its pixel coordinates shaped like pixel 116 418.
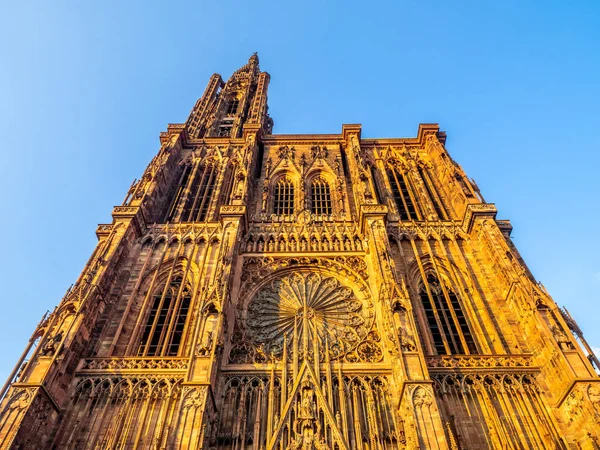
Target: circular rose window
pixel 307 310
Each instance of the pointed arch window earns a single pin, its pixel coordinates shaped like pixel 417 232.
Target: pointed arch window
pixel 165 325
pixel 433 194
pixel 283 202
pixel 446 319
pixel 183 181
pixel 320 197
pixel 200 195
pixel 193 197
pixel 402 197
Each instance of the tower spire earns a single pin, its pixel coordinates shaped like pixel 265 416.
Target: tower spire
pixel 226 107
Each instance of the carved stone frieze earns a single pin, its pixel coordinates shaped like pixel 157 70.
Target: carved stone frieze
pixel 195 231
pixel 256 269
pixel 111 365
pixel 480 363
pixel 303 236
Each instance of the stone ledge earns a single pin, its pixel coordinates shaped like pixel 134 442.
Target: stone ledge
pixel 480 363
pixel 478 210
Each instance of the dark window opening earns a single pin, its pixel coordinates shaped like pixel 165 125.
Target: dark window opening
pixel 446 319
pixel 200 195
pixel 232 106
pixel 404 203
pixel 320 197
pixel 164 328
pixel 432 195
pixel 283 204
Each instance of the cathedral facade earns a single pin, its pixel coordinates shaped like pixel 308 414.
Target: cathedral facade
pixel 265 291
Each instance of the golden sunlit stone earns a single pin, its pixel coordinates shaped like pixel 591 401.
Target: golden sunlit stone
pixel 263 291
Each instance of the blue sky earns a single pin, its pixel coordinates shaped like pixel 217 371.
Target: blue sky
pixel 87 86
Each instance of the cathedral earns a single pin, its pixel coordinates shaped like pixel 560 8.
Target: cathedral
pixel 260 291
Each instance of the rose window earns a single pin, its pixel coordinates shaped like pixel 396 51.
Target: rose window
pixel 307 310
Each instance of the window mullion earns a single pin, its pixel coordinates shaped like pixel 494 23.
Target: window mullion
pixel 401 193
pixel 197 196
pixel 411 196
pixel 435 194
pixel 202 194
pixel 179 194
pixel 174 318
pixel 207 195
pixel 155 323
pixel 160 346
pixel 436 314
pixel 455 319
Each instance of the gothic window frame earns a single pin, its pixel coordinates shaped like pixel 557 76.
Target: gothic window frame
pixel 432 192
pixel 188 169
pixel 320 199
pixel 284 185
pixel 195 195
pixel 447 323
pixel 201 187
pixel 165 318
pixel 402 193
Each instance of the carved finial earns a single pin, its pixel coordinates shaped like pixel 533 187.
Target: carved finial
pixel 253 60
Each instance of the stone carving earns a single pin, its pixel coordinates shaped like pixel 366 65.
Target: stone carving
pixel 311 309
pixel 132 364
pixel 303 236
pixel 561 338
pixel 194 397
pixel 318 152
pixel 421 398
pixel 286 153
pixel 479 362
pixel 353 268
pixel 407 343
pixel 205 347
pixel 51 345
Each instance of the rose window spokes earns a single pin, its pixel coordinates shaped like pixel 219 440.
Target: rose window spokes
pixel 307 310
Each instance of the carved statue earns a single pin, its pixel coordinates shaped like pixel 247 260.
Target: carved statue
pixel 50 347
pixel 561 338
pixel 205 347
pixel 407 343
pixel 307 406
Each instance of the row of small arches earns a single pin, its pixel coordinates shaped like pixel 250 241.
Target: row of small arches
pixel 126 386
pixel 500 381
pixel 302 243
pixel 175 239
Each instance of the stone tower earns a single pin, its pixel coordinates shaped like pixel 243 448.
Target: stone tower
pixel 262 291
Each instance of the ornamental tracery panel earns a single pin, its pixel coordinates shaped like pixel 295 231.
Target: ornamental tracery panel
pixel 302 313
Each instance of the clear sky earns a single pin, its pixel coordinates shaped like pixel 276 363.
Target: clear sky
pixel 86 88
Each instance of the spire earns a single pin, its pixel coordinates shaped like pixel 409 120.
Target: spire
pixel 253 60
pixel 251 68
pixel 227 106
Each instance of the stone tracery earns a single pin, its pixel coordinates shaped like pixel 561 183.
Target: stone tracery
pixel 307 310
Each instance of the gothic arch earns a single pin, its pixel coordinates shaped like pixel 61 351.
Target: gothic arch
pixel 327 196
pixel 285 177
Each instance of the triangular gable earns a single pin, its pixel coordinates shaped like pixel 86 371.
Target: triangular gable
pixel 306 373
